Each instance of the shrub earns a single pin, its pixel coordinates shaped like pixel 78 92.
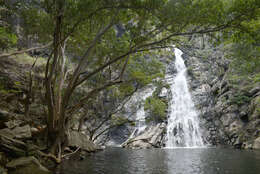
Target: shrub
pixel 156 109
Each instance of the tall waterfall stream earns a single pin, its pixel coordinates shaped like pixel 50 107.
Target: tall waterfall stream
pixel 183 124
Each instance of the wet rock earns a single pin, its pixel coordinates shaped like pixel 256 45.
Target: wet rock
pixel 17 132
pixel 163 93
pixel 238 143
pixel 140 144
pixel 22 132
pixel 7 132
pixel 254 91
pixel 227 119
pixel 13 123
pixel 256 144
pixel 78 139
pixel 235 127
pixel 247 145
pixel 4 117
pixel 152 137
pixel 26 165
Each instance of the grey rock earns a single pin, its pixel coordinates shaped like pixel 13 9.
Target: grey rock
pixel 152 137
pixel 247 145
pixel 17 132
pixel 254 91
pixel 226 119
pixel 235 127
pixel 7 132
pixel 26 165
pixel 22 132
pixel 13 123
pixel 78 139
pixel 4 117
pixel 256 144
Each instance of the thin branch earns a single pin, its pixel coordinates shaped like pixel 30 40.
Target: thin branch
pixel 26 50
pixel 82 62
pixel 91 93
pixel 69 154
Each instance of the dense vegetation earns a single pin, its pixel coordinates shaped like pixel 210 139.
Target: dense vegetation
pixel 98 51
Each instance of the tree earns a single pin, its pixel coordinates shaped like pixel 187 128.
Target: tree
pixel 85 30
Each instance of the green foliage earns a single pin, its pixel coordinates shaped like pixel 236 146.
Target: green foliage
pixel 143 69
pixel 37 21
pixel 256 78
pixel 240 99
pixel 7 39
pixel 6 88
pixel 156 108
pixel 159 86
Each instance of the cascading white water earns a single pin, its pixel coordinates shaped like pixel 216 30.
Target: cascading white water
pixel 183 124
pixel 140 113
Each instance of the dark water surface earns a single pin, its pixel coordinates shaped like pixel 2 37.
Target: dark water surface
pixel 166 161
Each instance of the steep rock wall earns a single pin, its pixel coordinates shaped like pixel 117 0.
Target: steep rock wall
pixel 229 111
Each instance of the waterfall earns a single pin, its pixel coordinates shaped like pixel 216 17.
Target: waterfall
pixel 183 123
pixel 140 113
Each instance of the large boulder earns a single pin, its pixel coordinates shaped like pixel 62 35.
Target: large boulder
pixel 22 132
pixel 4 117
pixel 256 144
pixel 78 139
pixel 152 137
pixel 18 132
pixel 26 165
pixel 13 123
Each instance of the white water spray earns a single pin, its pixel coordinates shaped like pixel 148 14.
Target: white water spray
pixel 140 113
pixel 183 123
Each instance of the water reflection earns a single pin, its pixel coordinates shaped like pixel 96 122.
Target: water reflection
pixel 166 161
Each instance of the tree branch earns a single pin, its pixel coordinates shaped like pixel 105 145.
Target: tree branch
pixel 91 93
pixel 26 50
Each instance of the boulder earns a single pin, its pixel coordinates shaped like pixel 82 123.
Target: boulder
pixel 26 165
pixel 4 117
pixel 140 144
pixel 22 132
pixel 13 123
pixel 235 127
pixel 256 144
pixel 254 91
pixel 227 119
pixel 151 137
pixel 17 132
pixel 78 139
pixel 247 145
pixel 7 132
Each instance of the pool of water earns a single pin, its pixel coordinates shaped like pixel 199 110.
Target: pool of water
pixel 166 161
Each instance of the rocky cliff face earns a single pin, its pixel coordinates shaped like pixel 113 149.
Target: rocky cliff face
pixel 229 108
